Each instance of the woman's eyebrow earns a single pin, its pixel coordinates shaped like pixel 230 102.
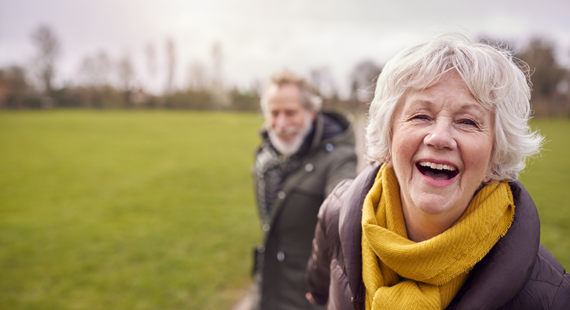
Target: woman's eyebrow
pixel 421 102
pixel 473 106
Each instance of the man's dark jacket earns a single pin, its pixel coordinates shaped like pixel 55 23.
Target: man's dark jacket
pixel 518 272
pixel 290 223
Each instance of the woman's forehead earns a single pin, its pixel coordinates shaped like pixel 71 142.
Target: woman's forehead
pixel 452 83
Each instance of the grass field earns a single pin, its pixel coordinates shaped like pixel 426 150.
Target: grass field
pixel 155 210
pixel 122 210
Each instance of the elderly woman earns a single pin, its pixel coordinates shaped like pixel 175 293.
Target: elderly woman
pixel 440 220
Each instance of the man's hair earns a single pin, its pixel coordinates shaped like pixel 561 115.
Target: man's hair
pixel 496 79
pixel 309 98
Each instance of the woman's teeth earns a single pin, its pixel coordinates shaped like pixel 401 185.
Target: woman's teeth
pixel 436 166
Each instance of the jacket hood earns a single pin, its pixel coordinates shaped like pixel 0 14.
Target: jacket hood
pixel 332 127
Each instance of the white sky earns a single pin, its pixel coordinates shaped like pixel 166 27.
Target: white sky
pixel 259 37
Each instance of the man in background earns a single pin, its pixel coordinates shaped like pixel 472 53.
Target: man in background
pixel 304 154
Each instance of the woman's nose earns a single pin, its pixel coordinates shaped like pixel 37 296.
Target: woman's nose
pixel 440 136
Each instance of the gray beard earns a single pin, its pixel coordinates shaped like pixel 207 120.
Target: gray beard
pixel 290 148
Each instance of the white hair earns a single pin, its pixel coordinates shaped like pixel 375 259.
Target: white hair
pixel 309 98
pixel 495 78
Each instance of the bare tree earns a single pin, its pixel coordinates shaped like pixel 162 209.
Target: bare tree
pixel 170 65
pixel 220 97
pixel 363 80
pixel 125 73
pixel 14 87
pixel 323 81
pixel 96 70
pixel 198 79
pixel 48 51
pixel 548 78
pixel 216 63
pixel 546 71
pixel 150 53
pixel 96 74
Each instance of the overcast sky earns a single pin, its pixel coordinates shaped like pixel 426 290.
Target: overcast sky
pixel 258 37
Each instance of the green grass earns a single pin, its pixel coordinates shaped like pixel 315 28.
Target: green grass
pixel 155 210
pixel 123 210
pixel 547 179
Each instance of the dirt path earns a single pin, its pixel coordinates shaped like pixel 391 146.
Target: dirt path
pixel 244 303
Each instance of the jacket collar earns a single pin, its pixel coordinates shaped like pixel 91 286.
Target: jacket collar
pixel 350 230
pixel 503 272
pixel 495 280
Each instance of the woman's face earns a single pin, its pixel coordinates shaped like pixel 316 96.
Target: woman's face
pixel 442 140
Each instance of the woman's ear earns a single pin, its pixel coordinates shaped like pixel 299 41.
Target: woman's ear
pixel 489 175
pixel 388 161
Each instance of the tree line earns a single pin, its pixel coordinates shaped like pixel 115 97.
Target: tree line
pixel 103 82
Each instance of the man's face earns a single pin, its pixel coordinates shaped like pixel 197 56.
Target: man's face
pixel 286 119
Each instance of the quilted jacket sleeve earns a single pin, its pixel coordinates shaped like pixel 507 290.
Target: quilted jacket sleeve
pixel 326 245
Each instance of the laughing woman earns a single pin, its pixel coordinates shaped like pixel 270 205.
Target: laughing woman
pixel 440 220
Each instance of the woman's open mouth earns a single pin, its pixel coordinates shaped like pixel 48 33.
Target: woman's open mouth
pixel 437 172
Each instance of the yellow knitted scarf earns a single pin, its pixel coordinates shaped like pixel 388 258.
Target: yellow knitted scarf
pixel 434 270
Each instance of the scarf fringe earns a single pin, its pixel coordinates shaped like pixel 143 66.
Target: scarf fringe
pixel 474 244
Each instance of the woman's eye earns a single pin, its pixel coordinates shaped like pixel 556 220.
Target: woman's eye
pixel 468 122
pixel 421 117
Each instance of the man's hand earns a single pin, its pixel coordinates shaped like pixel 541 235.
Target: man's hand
pixel 310 298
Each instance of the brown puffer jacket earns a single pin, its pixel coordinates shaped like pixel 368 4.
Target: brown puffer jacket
pixel 518 273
